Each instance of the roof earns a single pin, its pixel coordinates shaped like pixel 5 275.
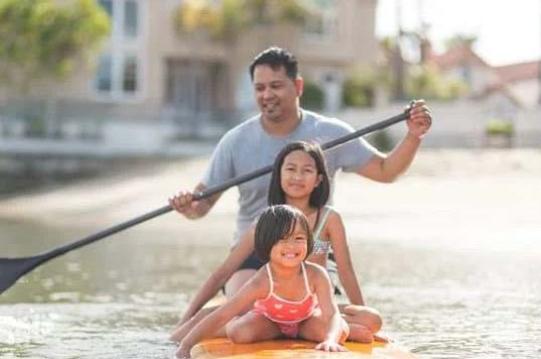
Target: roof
pixel 518 72
pixel 457 56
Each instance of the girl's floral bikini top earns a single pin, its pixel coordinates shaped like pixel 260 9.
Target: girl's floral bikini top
pixel 322 246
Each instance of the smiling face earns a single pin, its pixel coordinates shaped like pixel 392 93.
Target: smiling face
pixel 299 175
pixel 276 94
pixel 291 250
pixel 281 223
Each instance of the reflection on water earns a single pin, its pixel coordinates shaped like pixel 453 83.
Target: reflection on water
pixel 121 296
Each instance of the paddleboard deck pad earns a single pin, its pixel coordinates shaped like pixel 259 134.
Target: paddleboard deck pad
pixel 294 349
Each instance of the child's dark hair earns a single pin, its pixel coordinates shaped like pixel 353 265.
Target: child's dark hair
pixel 320 194
pixel 276 223
pixel 276 57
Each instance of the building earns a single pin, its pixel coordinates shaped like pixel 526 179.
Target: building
pixel 517 84
pixel 148 72
pixel 523 81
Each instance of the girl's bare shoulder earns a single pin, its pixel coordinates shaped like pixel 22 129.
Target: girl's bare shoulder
pixel 314 270
pixel 334 222
pixel 260 282
pixel 334 215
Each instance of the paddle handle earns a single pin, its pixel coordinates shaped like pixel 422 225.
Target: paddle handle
pixel 217 189
pixel 327 145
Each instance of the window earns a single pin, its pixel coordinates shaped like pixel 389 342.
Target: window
pixel 118 74
pixel 130 19
pixel 104 74
pixel 323 19
pixel 129 78
pixel 107 5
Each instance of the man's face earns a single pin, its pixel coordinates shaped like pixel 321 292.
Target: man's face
pixel 276 94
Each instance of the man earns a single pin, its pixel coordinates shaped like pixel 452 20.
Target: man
pixel 255 143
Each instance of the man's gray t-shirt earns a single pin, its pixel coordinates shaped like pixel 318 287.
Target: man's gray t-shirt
pixel 247 147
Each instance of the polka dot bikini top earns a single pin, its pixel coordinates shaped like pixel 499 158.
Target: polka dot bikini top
pixel 285 311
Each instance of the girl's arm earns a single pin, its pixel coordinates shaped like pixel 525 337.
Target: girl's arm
pixel 346 273
pixel 221 274
pixel 329 310
pixel 256 287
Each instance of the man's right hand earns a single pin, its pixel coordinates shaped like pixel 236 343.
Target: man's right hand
pixel 184 204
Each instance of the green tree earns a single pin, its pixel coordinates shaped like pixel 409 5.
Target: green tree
pixel 229 17
pixel 41 38
pixel 424 81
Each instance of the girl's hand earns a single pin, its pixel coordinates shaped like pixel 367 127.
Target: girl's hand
pixel 331 346
pixel 182 352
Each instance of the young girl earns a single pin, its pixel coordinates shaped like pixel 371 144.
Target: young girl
pixel 300 179
pixel 287 297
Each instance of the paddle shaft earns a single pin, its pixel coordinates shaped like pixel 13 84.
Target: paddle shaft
pixel 211 191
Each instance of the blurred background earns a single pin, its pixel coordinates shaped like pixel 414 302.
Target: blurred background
pixel 109 107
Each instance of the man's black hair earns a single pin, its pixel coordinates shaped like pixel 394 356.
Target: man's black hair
pixel 276 57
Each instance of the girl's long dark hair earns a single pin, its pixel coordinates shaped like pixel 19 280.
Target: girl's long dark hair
pixel 320 194
pixel 276 223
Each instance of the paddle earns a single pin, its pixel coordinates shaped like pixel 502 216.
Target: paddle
pixel 11 269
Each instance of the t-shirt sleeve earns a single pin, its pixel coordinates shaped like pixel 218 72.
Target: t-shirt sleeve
pixel 354 154
pixel 221 167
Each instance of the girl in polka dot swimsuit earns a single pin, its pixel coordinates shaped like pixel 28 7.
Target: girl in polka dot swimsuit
pixel 293 298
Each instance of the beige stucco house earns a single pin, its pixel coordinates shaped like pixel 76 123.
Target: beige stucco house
pixel 147 71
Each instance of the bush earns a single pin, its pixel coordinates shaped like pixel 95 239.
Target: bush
pixel 35 126
pixel 313 96
pixel 499 127
pixel 358 89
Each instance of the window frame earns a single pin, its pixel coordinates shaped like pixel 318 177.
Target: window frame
pixel 119 47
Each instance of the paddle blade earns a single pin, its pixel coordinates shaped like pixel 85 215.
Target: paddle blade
pixel 11 269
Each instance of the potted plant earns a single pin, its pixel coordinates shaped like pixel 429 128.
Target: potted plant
pixel 499 133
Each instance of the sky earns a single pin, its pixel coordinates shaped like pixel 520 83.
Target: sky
pixel 508 31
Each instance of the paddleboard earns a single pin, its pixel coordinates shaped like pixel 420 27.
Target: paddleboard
pixel 294 349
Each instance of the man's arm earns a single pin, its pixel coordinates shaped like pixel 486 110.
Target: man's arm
pixel 184 204
pixel 388 168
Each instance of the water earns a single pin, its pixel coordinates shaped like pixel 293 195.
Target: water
pixel 117 298
pixel 122 296
pixel 453 281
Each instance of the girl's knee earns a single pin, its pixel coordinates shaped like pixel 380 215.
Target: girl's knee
pixel 317 333
pixel 365 316
pixel 314 329
pixel 239 333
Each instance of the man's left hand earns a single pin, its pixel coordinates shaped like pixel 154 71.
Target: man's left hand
pixel 420 119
